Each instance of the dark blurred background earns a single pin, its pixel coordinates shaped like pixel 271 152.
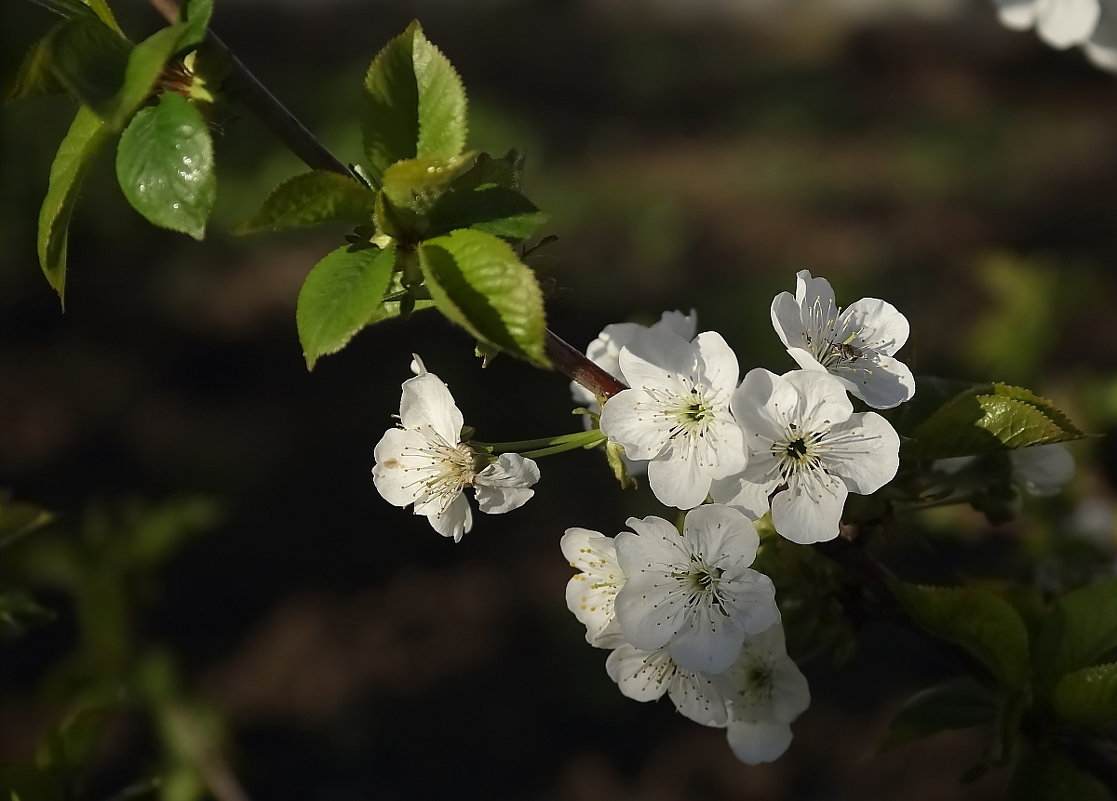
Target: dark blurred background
pixel 692 155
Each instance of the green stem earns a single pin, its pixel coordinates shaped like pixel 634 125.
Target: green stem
pixel 545 446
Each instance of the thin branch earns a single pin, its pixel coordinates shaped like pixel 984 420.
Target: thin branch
pixel 300 141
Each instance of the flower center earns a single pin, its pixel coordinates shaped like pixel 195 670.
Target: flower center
pixel 830 343
pixel 690 414
pixel 445 470
pixel 701 584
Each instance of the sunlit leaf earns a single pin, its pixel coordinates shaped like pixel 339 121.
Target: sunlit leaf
pixel 87 134
pixel 340 296
pixel 478 282
pixel 164 163
pixel 1088 696
pixel 145 64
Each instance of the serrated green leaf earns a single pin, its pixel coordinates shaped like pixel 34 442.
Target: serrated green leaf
pixel 478 282
pixel 196 15
pixel 393 303
pixel 958 704
pixel 164 164
pixel 1080 629
pixel 415 104
pixel 1047 775
pixel 985 626
pixel 493 209
pixel 1088 696
pixel 68 8
pixel 36 74
pixel 85 138
pixel 89 59
pixel 145 64
pixel 104 13
pixel 988 418
pixel 312 198
pixel 341 295
pixel 410 190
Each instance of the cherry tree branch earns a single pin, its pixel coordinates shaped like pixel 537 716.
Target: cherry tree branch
pixel 300 141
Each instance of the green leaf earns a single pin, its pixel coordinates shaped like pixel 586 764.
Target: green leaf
pixel 196 15
pixel 68 8
pixel 309 199
pixel 1088 696
pixel 985 626
pixel 145 64
pixel 164 164
pixel 36 74
pixel 85 138
pixel 104 13
pixel 410 190
pixel 415 104
pixel 1047 775
pixel 18 611
pixel 478 282
pixel 1080 629
pixel 958 704
pixel 340 296
pixel 89 59
pixel 989 418
pixel 493 209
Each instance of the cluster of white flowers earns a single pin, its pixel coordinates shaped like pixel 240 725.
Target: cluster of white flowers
pixel 424 462
pixel 684 614
pixel 1089 24
pixel 790 443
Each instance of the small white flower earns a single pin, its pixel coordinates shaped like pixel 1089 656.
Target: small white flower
pixel 805 441
pixel 693 593
pixel 856 345
pixel 676 413
pixel 424 462
pixel 647 675
pixel 1060 23
pixel 590 593
pixel 765 692
pixel 1101 48
pixel 605 351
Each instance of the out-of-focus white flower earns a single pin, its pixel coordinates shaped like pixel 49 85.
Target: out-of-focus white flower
pixel 693 593
pixel 605 351
pixel 1060 23
pixel 856 345
pixel 647 675
pixel 590 593
pixel 424 462
pixel 765 692
pixel 806 445
pixel 676 413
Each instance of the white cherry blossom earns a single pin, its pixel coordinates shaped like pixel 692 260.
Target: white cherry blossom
pixel 857 345
pixel 647 675
pixel 590 592
pixel 765 691
pixel 605 350
pixel 424 462
pixel 808 446
pixel 693 593
pixel 676 413
pixel 1059 23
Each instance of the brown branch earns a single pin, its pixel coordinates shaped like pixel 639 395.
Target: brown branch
pixel 300 141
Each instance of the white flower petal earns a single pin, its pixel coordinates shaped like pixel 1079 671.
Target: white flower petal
pixel 762 404
pixel 394 471
pixel 707 640
pixel 627 419
pixel 878 325
pixel 738 492
pixel 1062 23
pixel 453 521
pixel 1019 15
pixel 682 481
pixel 808 512
pixel 718 361
pixel 652 353
pixel 503 485
pixel 722 534
pixel 696 697
pixel 805 359
pixel 864 452
pixel 1043 469
pixel 641 675
pixel 882 381
pixel 787 319
pixel 821 399
pixel 590 593
pixel 428 404
pixel 757 742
